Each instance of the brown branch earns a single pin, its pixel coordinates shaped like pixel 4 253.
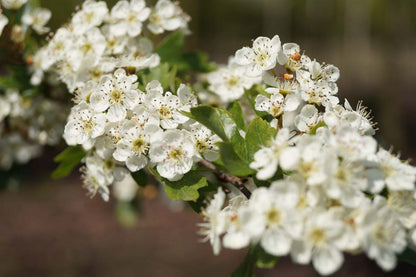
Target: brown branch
pixel 227 178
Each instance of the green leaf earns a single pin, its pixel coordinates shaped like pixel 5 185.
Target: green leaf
pixel 259 133
pixel 140 177
pixel 237 114
pixel 18 78
pixel 408 256
pixel 164 73
pixel 204 194
pixel 196 62
pixel 232 162
pixel 186 188
pixel 170 48
pixel 221 123
pixel 68 160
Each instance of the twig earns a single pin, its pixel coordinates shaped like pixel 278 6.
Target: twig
pixel 227 178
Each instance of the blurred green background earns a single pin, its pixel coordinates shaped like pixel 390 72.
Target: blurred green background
pixel 52 229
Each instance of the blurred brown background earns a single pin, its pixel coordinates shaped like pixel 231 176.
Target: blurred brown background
pixel 52 229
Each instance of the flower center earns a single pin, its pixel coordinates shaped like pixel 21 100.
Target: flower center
pixel 139 145
pixel 176 154
pixel 116 96
pixel 317 236
pixel 273 217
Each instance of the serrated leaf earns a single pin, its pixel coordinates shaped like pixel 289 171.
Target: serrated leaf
pixel 140 177
pixel 68 160
pixel 232 162
pixel 259 133
pixel 237 114
pixel 170 48
pixel 164 73
pixel 221 123
pixel 186 188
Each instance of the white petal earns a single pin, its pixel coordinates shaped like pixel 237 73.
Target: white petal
pixel 327 260
pixel 276 242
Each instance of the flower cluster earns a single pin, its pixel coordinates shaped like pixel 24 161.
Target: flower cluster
pixel 122 126
pixel 332 188
pixel 26 125
pixel 99 40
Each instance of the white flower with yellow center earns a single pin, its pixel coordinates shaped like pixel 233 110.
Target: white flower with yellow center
pixel 215 223
pixel 398 175
pixel 128 17
pixel 276 209
pixel 322 242
pixel 167 15
pixel 134 145
pixel 168 106
pixel 276 104
pixel 205 141
pixel 382 234
pixel 116 93
pixel 267 159
pixel 174 154
pixel 84 125
pixel 92 14
pixel 261 57
pixel 38 19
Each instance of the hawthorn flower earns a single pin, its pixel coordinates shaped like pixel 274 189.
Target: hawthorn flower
pixel 134 145
pixel 37 19
pixel 277 104
pixel 404 206
pixel 168 106
pixel 174 154
pixel 382 234
pixel 267 159
pixel 308 118
pixel 128 17
pixel 215 219
pixel 321 243
pixel 290 57
pixel 319 92
pixel 92 14
pixel 229 82
pixel 167 15
pixel 397 174
pixel 13 4
pixel 95 182
pixel 138 53
pixel 261 57
pixel 205 141
pixel 276 209
pixel 116 93
pixel 84 125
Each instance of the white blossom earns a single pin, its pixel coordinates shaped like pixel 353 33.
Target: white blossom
pixel 262 56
